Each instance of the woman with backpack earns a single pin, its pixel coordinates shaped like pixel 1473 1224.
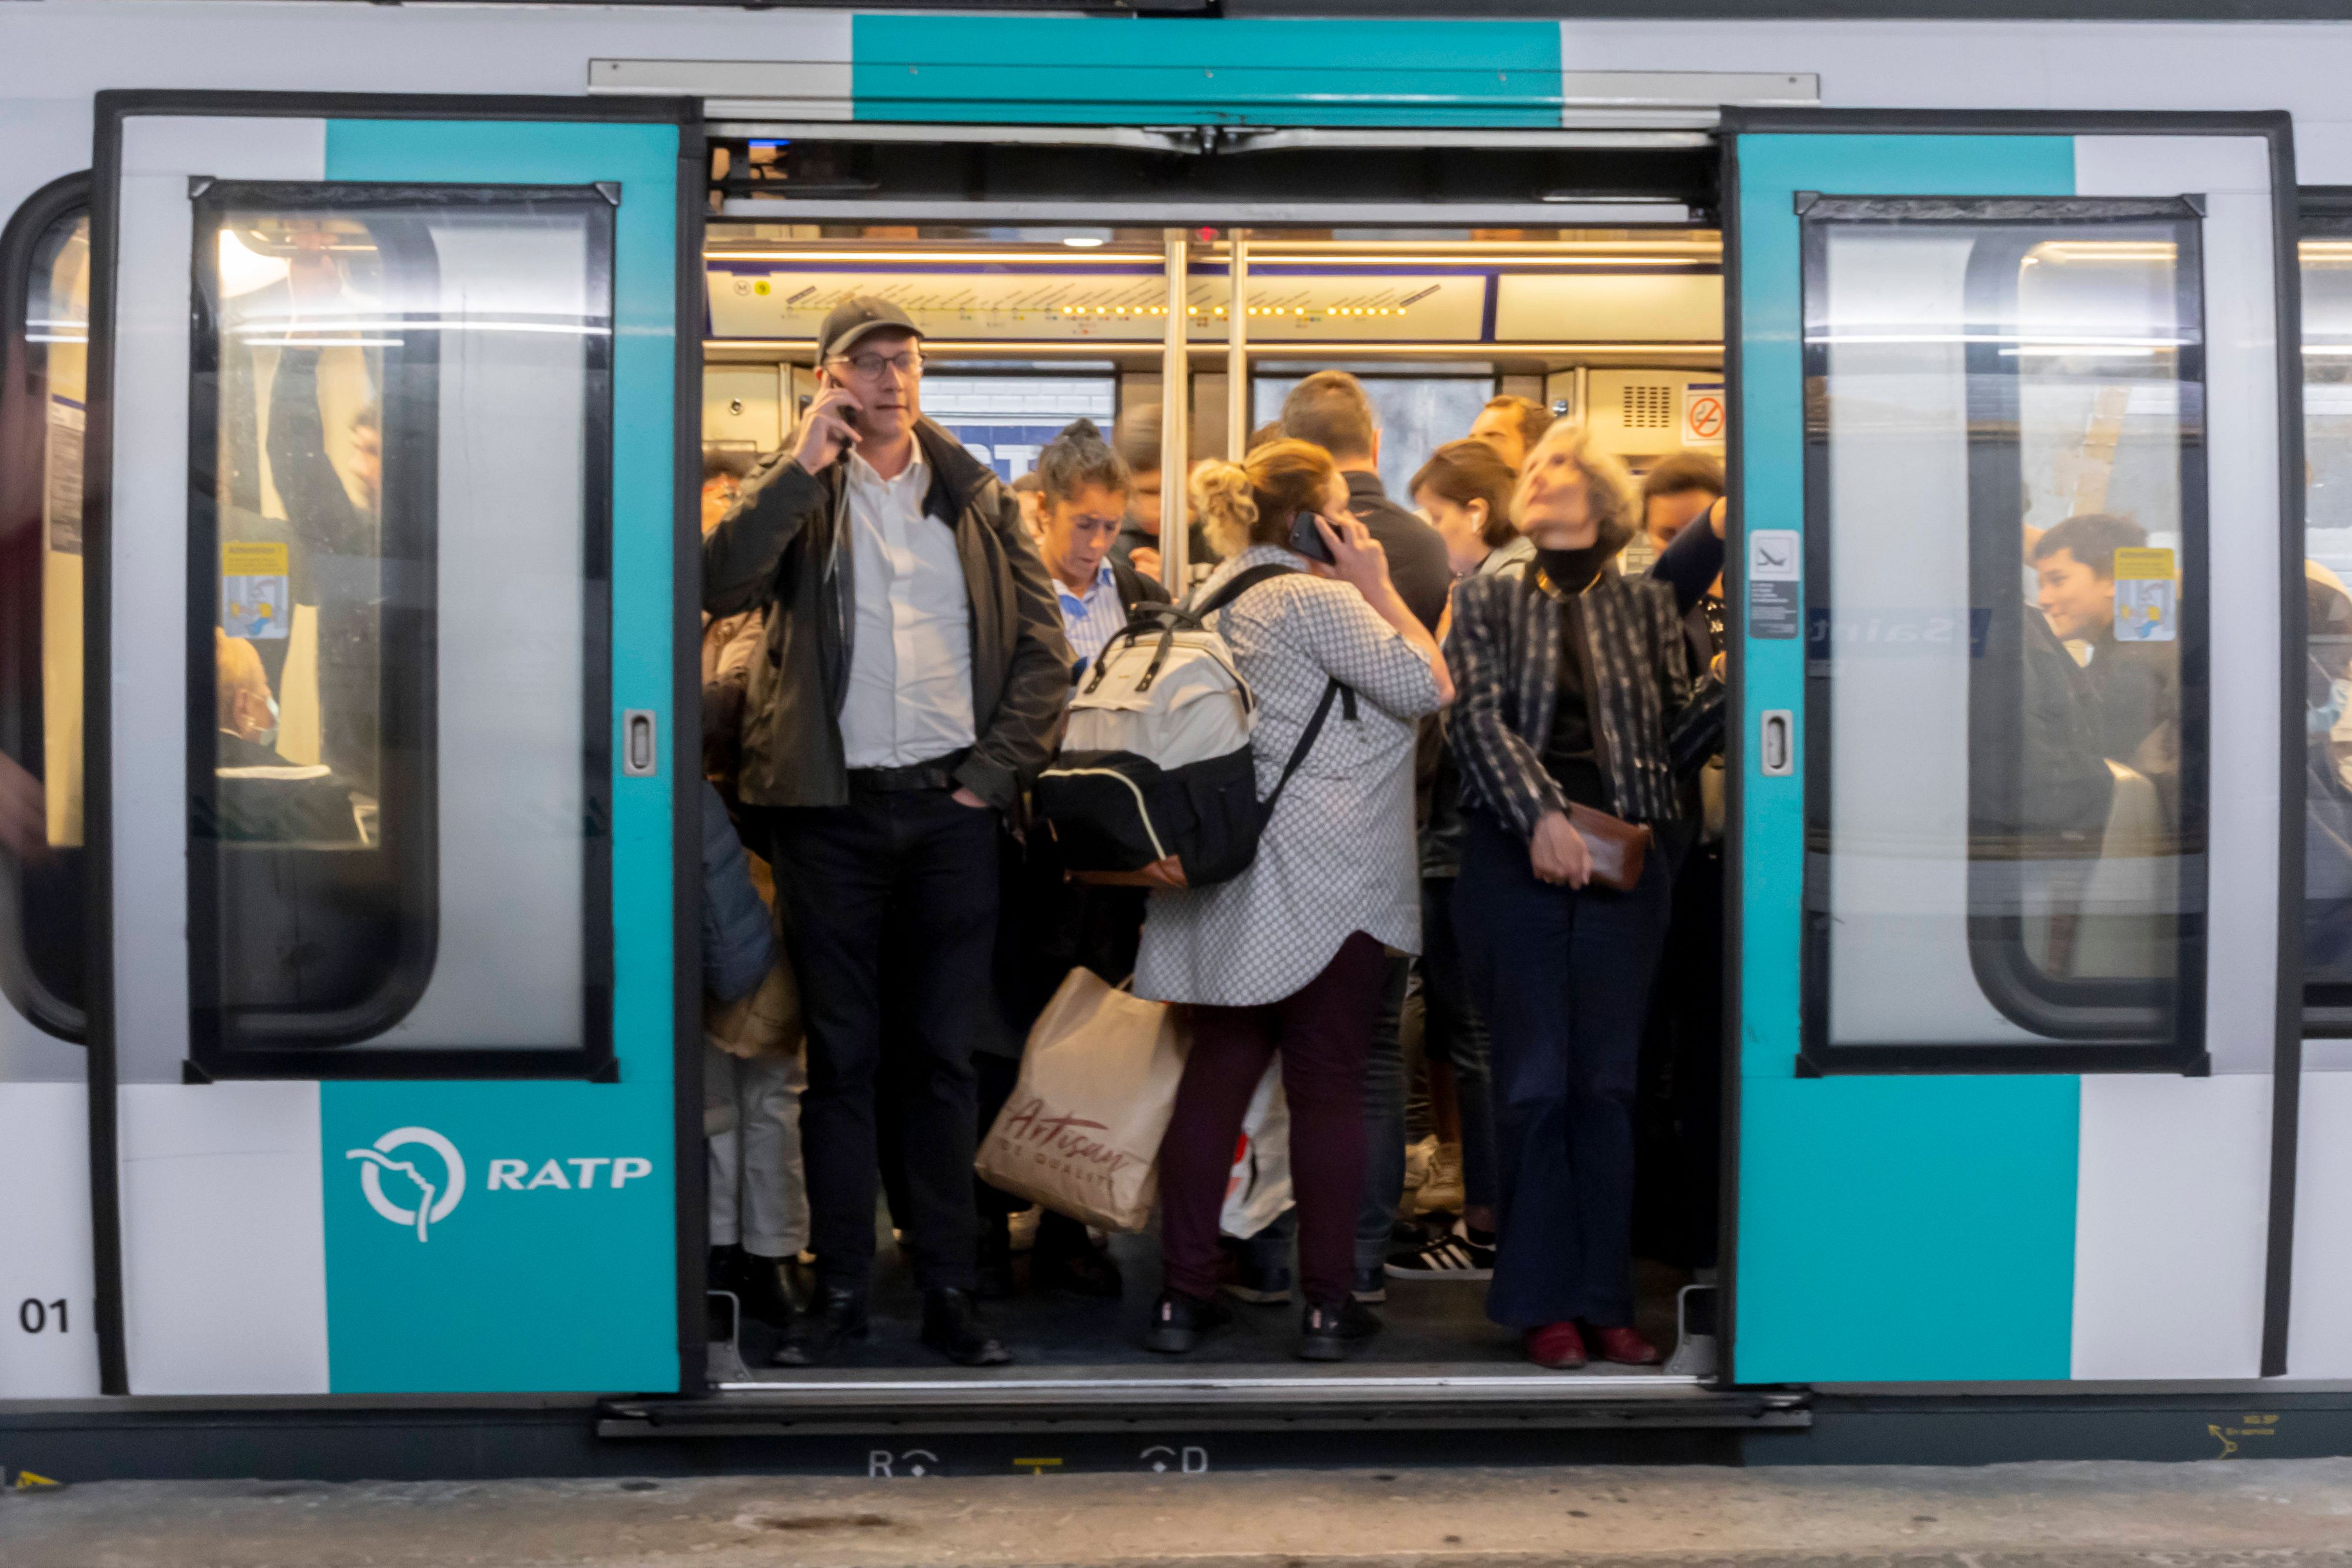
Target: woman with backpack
pixel 1287 959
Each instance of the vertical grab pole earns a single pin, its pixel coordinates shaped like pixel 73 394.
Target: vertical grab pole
pixel 1175 411
pixel 1237 384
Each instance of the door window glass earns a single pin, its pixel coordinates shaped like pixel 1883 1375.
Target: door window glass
pixel 1006 419
pixel 1418 415
pixel 45 271
pixel 2327 258
pixel 2005 638
pixel 396 654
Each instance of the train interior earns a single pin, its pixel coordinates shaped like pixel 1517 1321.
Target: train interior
pixel 2057 891
pixel 1031 328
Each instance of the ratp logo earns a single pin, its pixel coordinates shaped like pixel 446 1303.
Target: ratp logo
pixel 436 1198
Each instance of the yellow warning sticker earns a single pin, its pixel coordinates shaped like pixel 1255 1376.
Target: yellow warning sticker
pixel 254 588
pixel 2147 603
pixel 261 558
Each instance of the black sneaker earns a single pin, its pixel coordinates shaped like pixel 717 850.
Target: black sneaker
pixel 1452 1256
pixel 1372 1284
pixel 1325 1333
pixel 1178 1322
pixel 1259 1283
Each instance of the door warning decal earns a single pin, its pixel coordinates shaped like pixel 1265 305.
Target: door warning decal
pixel 1772 572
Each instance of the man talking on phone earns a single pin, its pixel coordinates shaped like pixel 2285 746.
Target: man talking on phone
pixel 913 674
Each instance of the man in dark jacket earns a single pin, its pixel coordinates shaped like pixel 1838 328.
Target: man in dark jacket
pixel 1329 409
pixel 913 673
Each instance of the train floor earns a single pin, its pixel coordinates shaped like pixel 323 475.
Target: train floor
pixel 1435 1326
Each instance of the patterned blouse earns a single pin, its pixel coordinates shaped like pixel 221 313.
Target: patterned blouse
pixel 1337 856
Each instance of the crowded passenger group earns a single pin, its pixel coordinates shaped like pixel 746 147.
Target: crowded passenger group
pixel 1482 721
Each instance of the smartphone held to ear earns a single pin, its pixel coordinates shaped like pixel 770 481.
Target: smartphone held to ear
pixel 1307 539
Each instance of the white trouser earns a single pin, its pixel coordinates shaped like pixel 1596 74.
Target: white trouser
pixel 758 1190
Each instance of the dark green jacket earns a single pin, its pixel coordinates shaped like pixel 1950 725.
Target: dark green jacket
pixel 784 544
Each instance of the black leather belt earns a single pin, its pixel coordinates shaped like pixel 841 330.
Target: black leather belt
pixel 939 773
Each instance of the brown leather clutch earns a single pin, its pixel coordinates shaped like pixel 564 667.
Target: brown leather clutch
pixel 1617 846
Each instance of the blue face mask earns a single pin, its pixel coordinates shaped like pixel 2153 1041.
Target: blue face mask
pixel 2320 719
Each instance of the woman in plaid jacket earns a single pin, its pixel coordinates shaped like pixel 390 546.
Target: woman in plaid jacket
pixel 1570 677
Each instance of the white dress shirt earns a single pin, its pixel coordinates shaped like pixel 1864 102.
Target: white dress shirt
pixel 909 696
pixel 1090 620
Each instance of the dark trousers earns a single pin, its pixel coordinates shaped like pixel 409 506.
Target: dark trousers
pixel 1562 977
pixel 1322 1033
pixel 1679 1124
pixel 914 870
pixel 1453 1031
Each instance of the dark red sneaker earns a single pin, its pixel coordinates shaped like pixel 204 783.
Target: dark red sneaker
pixel 1624 1346
pixel 1557 1346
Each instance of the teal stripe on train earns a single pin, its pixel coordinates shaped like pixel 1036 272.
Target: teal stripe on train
pixel 1891 1228
pixel 549 1288
pixel 1128 71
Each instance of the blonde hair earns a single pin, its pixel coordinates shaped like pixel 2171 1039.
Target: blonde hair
pixel 1609 488
pixel 1253 502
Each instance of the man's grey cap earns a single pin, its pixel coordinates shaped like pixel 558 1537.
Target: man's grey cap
pixel 853 319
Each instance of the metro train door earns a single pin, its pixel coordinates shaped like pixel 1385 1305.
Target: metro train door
pixel 2016 583
pixel 386 529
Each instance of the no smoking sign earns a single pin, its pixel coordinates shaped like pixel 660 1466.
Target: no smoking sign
pixel 1702 414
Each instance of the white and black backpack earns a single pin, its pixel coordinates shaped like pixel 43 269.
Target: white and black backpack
pixel 1155 784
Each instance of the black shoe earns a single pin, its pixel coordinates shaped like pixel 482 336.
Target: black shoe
pixel 826 1332
pixel 1326 1333
pixel 1075 1265
pixel 1259 1279
pixel 1179 1320
pixel 995 1258
pixel 757 1289
pixel 951 1326
pixel 759 1285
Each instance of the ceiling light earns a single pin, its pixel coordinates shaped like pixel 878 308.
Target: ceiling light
pixel 1080 242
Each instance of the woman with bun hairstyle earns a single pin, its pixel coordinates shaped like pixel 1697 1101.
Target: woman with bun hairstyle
pixel 1571 676
pixel 1286 959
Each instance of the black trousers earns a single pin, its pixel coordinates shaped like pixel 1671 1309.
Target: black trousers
pixel 1562 977
pixel 915 871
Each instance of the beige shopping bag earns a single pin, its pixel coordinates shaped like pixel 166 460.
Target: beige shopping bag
pixel 1081 1134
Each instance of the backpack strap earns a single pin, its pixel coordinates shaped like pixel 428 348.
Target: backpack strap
pixel 1241 582
pixel 1307 740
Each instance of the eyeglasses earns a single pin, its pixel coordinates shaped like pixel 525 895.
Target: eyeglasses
pixel 906 361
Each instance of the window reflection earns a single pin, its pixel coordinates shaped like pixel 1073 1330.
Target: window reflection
pixel 2327 269
pixel 41 958
pixel 396 822
pixel 2004 418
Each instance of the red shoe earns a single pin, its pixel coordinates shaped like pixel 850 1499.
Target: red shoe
pixel 1556 1346
pixel 1624 1346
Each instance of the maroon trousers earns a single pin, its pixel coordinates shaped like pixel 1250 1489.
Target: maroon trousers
pixel 1323 1033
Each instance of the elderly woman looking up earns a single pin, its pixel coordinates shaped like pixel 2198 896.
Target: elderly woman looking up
pixel 1570 677
pixel 1286 959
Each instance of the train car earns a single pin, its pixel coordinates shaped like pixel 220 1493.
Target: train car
pixel 362 365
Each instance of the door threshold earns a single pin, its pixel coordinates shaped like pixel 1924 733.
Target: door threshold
pixel 1235 1398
